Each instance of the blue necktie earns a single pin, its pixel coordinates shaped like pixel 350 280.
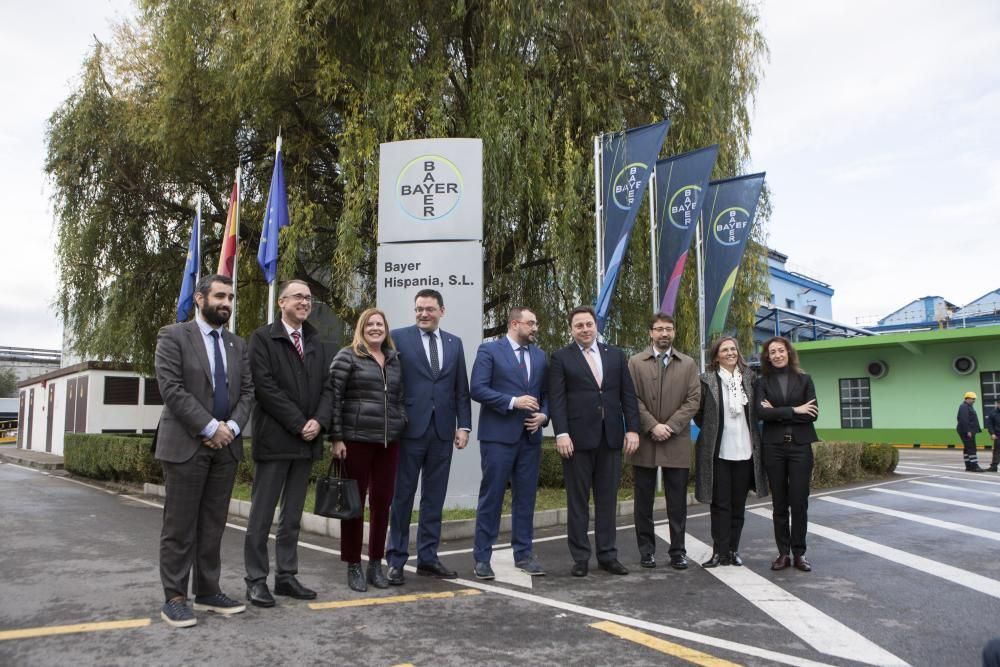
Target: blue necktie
pixel 220 400
pixel 524 366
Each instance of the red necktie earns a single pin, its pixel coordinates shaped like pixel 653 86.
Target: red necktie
pixel 297 339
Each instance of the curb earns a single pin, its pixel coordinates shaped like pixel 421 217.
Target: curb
pixel 918 445
pixel 450 530
pixel 9 457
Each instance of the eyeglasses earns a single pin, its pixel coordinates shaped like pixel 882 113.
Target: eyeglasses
pixel 660 330
pixel 532 324
pixel 305 298
pixel 428 309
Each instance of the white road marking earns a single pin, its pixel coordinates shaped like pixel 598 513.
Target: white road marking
pixel 819 630
pixel 949 573
pixel 505 570
pixel 942 501
pixel 971 481
pixel 917 518
pixel 952 487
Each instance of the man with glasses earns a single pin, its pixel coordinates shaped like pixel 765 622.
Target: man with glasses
pixel 667 386
pixel 436 391
pixel 509 381
pixel 290 366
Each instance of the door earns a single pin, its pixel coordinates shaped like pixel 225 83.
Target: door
pixel 70 424
pixel 20 421
pixel 31 415
pixel 48 417
pixel 81 405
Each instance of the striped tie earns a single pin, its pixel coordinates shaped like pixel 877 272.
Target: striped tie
pixel 297 339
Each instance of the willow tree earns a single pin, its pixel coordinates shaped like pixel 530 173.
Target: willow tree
pixel 188 90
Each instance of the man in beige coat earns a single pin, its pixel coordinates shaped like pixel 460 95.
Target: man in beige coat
pixel 666 384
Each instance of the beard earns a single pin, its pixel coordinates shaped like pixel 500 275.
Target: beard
pixel 216 315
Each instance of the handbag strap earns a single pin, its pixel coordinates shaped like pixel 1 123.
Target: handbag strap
pixel 329 468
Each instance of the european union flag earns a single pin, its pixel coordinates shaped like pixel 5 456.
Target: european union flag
pixel 275 217
pixel 186 298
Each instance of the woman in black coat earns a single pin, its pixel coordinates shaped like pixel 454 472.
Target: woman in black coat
pixel 728 460
pixel 786 400
pixel 368 418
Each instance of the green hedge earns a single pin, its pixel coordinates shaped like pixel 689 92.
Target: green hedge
pixel 838 463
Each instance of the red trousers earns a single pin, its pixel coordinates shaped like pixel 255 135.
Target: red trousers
pixel 373 465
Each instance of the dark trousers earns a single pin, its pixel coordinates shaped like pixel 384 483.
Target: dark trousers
pixel 675 490
pixel 730 485
pixel 789 471
pixel 428 460
pixel 373 465
pixel 996 453
pixel 287 480
pixel 598 469
pixel 194 516
pixel 969 453
pixel 502 462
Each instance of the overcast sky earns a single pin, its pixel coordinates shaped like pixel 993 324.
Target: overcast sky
pixel 877 123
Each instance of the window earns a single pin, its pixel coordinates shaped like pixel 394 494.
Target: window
pixel 790 303
pixel 121 391
pixel 151 395
pixel 989 386
pixel 855 403
pixel 812 310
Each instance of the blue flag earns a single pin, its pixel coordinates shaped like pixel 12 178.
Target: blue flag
pixel 275 217
pixel 186 298
pixel 627 161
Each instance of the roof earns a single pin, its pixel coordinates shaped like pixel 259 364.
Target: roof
pixel 936 337
pixel 75 368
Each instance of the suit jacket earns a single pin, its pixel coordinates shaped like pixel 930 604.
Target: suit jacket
pixel 496 379
pixel 185 378
pixel 781 414
pixel 445 398
pixel 585 411
pixel 290 391
pixel 669 398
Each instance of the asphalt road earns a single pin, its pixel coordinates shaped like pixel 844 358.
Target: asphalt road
pixel 905 572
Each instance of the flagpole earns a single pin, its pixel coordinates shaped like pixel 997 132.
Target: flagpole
pixel 654 268
pixel 270 287
pixel 236 253
pixel 701 294
pixel 598 236
pixel 197 220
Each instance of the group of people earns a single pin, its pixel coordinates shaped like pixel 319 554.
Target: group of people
pixel 968 427
pixel 395 404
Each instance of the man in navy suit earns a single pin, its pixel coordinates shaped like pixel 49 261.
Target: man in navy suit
pixel 595 415
pixel 436 389
pixel 508 379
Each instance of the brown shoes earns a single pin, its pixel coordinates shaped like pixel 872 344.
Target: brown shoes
pixel 802 564
pixel 781 562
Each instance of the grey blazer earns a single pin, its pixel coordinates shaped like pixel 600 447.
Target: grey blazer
pixel 185 378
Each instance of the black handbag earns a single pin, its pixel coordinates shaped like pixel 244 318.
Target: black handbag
pixel 337 497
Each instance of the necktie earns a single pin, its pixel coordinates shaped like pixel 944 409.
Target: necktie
pixel 589 354
pixel 435 361
pixel 524 366
pixel 220 399
pixel 297 339
pixel 664 361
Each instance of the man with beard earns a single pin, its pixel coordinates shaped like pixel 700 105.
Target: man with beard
pixel 509 381
pixel 203 373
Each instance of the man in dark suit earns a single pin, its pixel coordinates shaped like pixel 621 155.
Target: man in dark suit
pixel 509 380
pixel 595 415
pixel 436 387
pixel 203 373
pixel 290 366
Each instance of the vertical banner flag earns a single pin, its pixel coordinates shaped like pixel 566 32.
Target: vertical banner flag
pixel 728 214
pixel 227 257
pixel 681 185
pixel 275 217
pixel 186 298
pixel 627 161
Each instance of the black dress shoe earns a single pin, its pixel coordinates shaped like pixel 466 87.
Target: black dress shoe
pixel 436 569
pixel 580 568
pixel 376 577
pixel 293 589
pixel 396 576
pixel 781 562
pixel 714 561
pixel 612 566
pixel 648 561
pixel 258 595
pixel 679 562
pixel 802 564
pixel 991 469
pixel 735 558
pixel 356 578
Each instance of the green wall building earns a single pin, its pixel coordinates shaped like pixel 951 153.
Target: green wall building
pixel 903 388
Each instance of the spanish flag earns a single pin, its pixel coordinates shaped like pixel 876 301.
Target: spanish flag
pixel 227 258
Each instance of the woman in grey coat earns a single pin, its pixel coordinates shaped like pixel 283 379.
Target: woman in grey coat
pixel 727 454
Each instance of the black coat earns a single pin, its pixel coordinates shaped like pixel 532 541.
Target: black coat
pixel 781 413
pixel 289 392
pixel 992 422
pixel 368 404
pixel 968 420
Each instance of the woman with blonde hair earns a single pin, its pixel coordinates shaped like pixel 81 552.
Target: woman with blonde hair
pixel 368 418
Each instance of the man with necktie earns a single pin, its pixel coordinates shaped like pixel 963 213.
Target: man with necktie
pixel 203 373
pixel 509 381
pixel 436 391
pixel 595 416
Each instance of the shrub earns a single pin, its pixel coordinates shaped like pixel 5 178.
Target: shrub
pixel 879 458
pixel 113 457
pixel 843 462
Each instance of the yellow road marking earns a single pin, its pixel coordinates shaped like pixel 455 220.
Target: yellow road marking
pixel 28 633
pixel 657 644
pixel 404 664
pixel 395 599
